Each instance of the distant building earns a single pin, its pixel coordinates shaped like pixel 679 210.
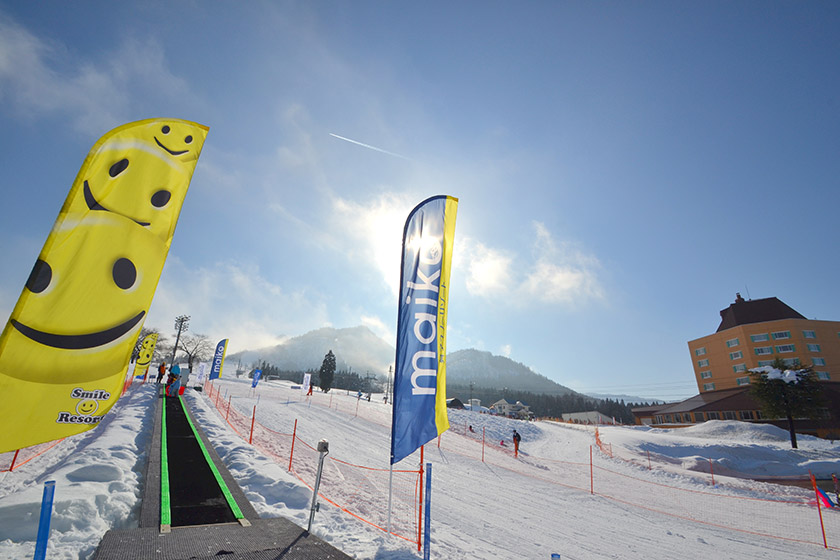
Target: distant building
pixel 751 334
pixel 454 403
pixel 512 410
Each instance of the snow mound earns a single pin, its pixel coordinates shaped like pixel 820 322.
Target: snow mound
pixel 732 430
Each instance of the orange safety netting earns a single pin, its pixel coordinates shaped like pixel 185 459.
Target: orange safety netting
pixel 358 490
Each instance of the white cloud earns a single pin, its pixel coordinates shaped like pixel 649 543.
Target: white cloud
pixel 506 350
pixel 372 231
pixel 38 78
pixel 233 301
pixel 379 328
pixel 557 273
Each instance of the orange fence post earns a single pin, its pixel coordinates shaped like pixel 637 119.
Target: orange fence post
pixel 12 466
pixel 253 417
pixel 292 453
pixel 819 507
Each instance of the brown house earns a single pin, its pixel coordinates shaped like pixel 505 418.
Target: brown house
pixel 751 334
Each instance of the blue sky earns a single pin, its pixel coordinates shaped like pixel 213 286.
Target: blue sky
pixel 623 168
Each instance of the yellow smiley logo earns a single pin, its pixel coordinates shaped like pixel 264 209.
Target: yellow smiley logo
pixel 147 348
pixel 124 173
pixel 87 407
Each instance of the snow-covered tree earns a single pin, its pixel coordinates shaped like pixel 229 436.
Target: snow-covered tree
pixel 787 393
pixel 327 372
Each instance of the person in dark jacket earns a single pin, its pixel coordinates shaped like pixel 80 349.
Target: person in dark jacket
pixel 516 439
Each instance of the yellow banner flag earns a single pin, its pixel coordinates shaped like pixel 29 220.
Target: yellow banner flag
pixel 144 359
pixel 66 347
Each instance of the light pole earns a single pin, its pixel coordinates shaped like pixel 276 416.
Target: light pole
pixel 182 324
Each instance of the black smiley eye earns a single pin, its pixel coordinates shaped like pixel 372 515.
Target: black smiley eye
pixel 118 167
pixel 165 129
pixel 188 140
pixel 39 278
pixel 161 198
pixel 124 273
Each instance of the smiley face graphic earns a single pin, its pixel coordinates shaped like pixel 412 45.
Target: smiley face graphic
pixel 147 348
pixel 141 171
pixel 87 407
pixel 84 302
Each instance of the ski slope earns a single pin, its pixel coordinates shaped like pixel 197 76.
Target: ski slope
pixel 504 508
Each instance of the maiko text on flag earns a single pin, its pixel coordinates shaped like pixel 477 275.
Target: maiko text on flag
pixel 419 413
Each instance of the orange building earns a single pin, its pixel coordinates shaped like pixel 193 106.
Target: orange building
pixel 752 333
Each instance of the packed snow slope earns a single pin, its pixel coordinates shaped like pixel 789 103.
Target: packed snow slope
pixel 503 508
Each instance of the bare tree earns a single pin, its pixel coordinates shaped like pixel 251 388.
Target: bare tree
pixel 197 347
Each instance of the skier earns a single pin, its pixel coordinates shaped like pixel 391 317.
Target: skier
pixel 161 371
pixel 516 438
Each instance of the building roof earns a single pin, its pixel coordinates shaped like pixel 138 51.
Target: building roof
pixel 745 312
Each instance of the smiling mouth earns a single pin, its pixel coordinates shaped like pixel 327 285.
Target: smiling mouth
pixel 168 150
pixel 78 341
pixel 93 204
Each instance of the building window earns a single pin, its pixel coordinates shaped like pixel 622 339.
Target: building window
pixel 713 416
pixel 703 363
pixel 823 375
pixel 791 362
pixel 700 351
pixel 785 348
pixel 781 335
pixel 738 368
pixel 809 334
pixel 762 350
pixel 743 381
pixel 708 386
pixel 758 415
pixel 762 363
pixel 762 337
pixel 705 374
pixel 746 415
pixel 659 420
pixel 698 417
pixel 813 348
pixel 736 355
pixel 732 342
pixel 729 414
pixel 669 419
pixel 818 361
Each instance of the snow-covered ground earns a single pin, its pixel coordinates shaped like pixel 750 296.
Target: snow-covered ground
pixel 503 507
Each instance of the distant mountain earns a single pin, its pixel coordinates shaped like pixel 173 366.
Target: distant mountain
pixel 626 398
pixel 498 372
pixel 357 348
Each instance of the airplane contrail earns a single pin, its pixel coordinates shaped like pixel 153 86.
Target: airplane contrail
pixel 368 146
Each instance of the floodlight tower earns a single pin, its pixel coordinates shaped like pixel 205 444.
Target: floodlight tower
pixel 182 324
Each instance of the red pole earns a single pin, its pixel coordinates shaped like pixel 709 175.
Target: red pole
pixel 12 466
pixel 819 507
pixel 253 417
pixel 292 454
pixel 591 473
pixel 420 515
pixel 438 442
pixel 712 470
pixel 482 443
pixel 228 410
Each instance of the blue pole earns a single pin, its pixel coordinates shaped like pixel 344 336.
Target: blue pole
pixel 44 523
pixel 427 530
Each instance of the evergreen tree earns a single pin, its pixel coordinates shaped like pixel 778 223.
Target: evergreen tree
pixel 797 396
pixel 327 372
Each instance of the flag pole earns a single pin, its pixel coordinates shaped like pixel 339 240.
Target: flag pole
pixel 390 492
